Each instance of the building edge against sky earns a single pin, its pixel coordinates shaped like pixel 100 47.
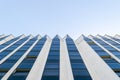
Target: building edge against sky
pixel 44 58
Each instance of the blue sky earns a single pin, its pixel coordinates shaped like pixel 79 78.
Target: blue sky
pixel 73 17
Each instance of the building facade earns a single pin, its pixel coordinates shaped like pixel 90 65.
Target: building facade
pixel 42 58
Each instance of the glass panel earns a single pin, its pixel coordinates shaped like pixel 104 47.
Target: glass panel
pixel 51 70
pixel 112 63
pixel 78 67
pixel 26 65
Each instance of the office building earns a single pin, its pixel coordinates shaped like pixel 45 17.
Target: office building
pixel 44 58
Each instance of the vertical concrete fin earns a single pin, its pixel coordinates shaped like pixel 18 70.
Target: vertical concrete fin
pixel 7 75
pixel 67 36
pixel 11 53
pixel 80 39
pixel 65 66
pixel 9 37
pixel 93 62
pixel 113 56
pixel 12 43
pixel 38 67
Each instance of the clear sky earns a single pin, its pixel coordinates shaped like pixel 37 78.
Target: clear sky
pixel 73 17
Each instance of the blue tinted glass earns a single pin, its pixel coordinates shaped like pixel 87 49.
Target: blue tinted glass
pixel 13 47
pixel 114 65
pixel 106 46
pixel 8 42
pixel 26 65
pixel 78 67
pixel 14 58
pixel 51 70
pixel 3 38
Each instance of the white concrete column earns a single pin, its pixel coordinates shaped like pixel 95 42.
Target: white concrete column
pixel 10 54
pixel 97 68
pixel 109 37
pixel 7 75
pixel 12 43
pixel 113 56
pixel 3 35
pixel 108 43
pixel 117 36
pixel 65 66
pixel 6 39
pixel 38 67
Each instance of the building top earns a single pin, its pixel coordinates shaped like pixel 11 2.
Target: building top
pixel 44 58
